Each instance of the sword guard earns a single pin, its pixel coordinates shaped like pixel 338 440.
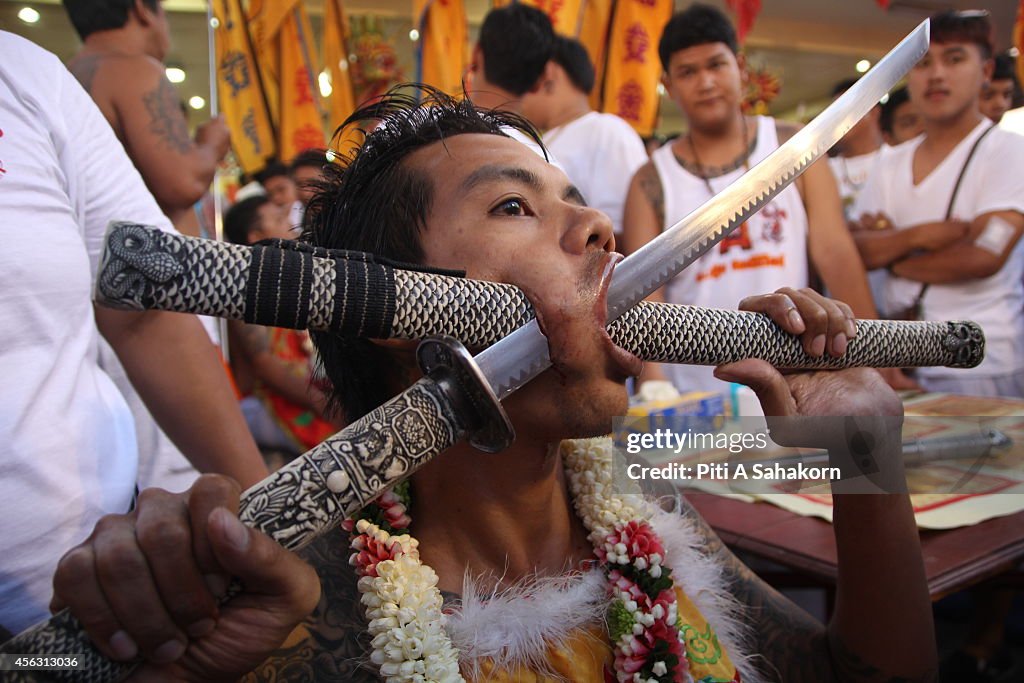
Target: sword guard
pixel 449 364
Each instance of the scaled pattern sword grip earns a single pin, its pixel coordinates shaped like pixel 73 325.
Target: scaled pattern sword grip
pixel 294 505
pixel 707 336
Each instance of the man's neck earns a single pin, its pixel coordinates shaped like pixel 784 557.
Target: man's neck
pixel 719 145
pixel 506 516
pixel 570 110
pixel 947 134
pixel 121 41
pixel 486 95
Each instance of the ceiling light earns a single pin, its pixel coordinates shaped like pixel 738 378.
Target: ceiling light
pixel 175 75
pixel 1013 52
pixel 414 35
pixel 196 102
pixel 884 98
pixel 29 15
pixel 324 81
pixel 661 90
pixel 862 66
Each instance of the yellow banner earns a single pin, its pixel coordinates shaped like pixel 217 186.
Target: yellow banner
pixel 442 49
pixel 633 69
pixel 265 18
pixel 565 15
pixel 238 88
pixel 341 102
pixel 301 126
pixel 597 15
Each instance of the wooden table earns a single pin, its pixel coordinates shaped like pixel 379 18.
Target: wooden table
pixel 954 559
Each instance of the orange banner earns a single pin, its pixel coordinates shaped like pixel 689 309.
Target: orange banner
pixel 566 15
pixel 301 124
pixel 633 69
pixel 239 90
pixel 597 16
pixel 341 102
pixel 1018 41
pixel 264 18
pixel 443 45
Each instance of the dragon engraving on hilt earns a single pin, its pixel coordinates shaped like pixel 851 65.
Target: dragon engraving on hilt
pixel 966 341
pixel 135 261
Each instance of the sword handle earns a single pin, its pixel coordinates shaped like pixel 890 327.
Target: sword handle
pixel 315 492
pixel 669 333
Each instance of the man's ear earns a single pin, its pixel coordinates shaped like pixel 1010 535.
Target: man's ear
pixel 143 13
pixel 988 68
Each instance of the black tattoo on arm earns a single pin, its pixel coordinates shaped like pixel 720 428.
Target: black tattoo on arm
pixel 791 645
pixel 650 183
pixel 84 70
pixel 332 644
pixel 165 118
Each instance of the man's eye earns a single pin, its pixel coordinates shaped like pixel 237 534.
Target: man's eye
pixel 511 207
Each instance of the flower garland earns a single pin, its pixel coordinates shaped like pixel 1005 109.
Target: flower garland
pixel 404 606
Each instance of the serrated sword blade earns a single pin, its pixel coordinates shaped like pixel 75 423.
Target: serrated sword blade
pixel 522 355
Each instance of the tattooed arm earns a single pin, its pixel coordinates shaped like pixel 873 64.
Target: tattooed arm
pixel 874 636
pixel 152 126
pixel 333 643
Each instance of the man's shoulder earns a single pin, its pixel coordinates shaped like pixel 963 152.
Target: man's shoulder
pixel 115 74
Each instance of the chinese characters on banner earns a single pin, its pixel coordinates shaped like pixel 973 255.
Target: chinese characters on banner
pixel 564 14
pixel 633 68
pixel 239 90
pixel 284 48
pixel 441 51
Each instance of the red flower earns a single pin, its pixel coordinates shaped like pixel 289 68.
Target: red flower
pixel 639 539
pixel 370 551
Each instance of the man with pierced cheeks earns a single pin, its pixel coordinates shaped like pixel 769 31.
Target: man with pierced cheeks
pixel 441 184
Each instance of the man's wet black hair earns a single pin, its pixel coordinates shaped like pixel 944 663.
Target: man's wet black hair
pixel 896 98
pixel 242 218
pixel 698 24
pixel 573 58
pixel 842 86
pixel 370 200
pixel 517 41
pixel 90 16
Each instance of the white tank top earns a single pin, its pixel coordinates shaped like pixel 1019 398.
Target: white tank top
pixel 767 252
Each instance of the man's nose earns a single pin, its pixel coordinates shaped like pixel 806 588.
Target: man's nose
pixel 589 229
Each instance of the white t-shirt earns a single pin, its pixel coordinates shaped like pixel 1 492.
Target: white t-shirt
pixel 769 251
pixel 994 181
pixel 67 442
pixel 600 153
pixel 851 175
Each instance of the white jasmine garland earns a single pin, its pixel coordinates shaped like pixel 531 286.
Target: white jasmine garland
pixel 404 607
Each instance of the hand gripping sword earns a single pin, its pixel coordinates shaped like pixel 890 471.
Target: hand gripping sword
pixel 458 398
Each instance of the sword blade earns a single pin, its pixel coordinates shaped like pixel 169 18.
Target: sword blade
pixel 522 355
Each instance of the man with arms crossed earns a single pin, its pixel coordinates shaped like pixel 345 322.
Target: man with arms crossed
pixel 954 257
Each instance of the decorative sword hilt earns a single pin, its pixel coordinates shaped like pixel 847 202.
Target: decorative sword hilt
pixel 317 490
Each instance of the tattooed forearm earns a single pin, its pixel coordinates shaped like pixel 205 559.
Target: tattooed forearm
pixel 792 646
pixel 650 183
pixel 165 118
pixel 332 644
pixel 84 69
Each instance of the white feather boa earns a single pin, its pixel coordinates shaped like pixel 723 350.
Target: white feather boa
pixel 515 626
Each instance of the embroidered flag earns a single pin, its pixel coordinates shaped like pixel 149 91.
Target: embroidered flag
pixel 301 124
pixel 239 89
pixel 264 18
pixel 441 50
pixel 341 102
pixel 597 16
pixel 633 69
